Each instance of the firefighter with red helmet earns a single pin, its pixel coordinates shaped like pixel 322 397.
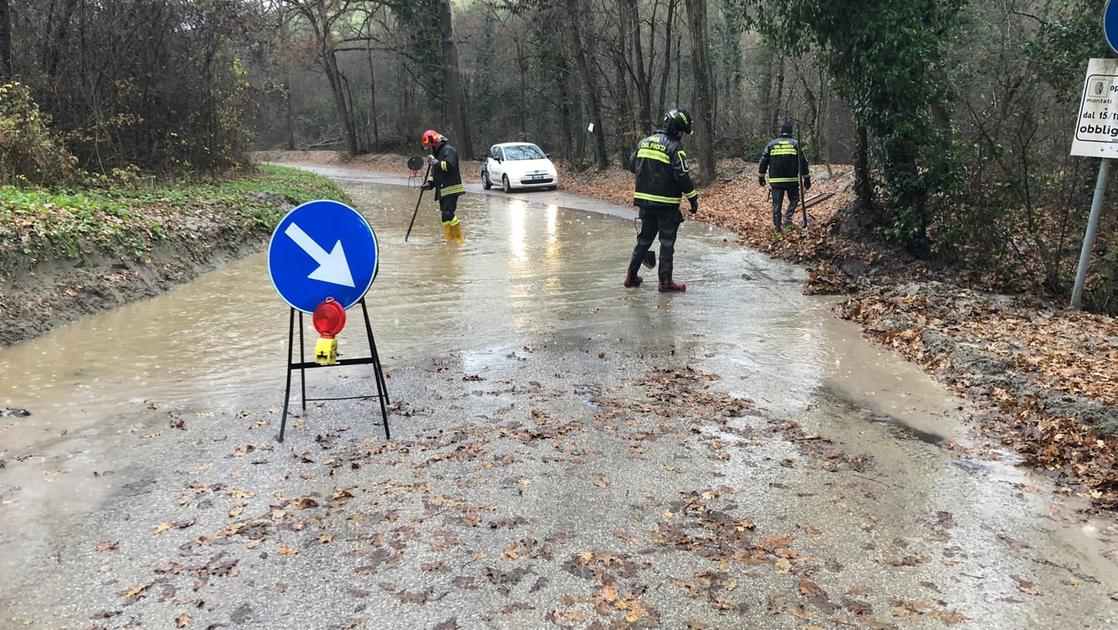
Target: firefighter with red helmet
pixel 445 180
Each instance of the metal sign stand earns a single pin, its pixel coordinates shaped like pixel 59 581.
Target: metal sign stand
pixel 1094 137
pixel 1089 236
pixel 302 365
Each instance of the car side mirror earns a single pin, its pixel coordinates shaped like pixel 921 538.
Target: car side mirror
pixel 498 160
pixel 547 155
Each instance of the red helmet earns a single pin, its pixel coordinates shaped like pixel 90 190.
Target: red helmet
pixel 432 139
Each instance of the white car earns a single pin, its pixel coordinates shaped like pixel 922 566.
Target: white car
pixel 513 165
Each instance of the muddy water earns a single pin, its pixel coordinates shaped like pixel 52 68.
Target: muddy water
pixel 530 271
pixel 527 269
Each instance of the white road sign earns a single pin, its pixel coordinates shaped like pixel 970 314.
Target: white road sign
pixel 1096 132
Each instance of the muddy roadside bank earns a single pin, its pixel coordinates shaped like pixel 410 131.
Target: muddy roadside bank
pixel 67 254
pixel 1046 377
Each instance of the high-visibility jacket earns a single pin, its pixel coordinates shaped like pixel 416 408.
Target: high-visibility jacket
pixel 445 173
pixel 660 165
pixel 785 162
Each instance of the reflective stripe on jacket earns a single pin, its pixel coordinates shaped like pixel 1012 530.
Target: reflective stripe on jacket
pixel 448 179
pixel 785 161
pixel 660 165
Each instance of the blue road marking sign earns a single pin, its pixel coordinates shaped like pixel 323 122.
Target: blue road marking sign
pixel 322 249
pixel 1110 24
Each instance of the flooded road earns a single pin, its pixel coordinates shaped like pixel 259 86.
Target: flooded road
pixel 528 313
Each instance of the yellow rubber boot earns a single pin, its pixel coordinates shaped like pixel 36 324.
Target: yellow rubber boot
pixel 448 231
pixel 456 232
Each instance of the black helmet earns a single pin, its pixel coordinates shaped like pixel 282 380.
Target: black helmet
pixel 787 128
pixel 677 121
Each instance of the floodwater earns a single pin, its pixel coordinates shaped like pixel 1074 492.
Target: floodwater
pixel 535 267
pixel 526 269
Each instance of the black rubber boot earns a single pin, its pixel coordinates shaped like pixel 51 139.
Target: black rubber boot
pixel 632 279
pixel 667 286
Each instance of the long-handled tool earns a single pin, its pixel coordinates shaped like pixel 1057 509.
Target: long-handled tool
pixel 800 174
pixel 417 202
pixel 803 197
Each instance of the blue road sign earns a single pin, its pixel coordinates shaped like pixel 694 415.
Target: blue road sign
pixel 322 249
pixel 1110 24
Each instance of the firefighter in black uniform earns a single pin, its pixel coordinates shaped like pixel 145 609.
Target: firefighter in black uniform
pixel 446 180
pixel 662 180
pixel 787 166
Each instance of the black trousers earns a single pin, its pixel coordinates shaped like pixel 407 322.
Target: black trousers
pixel 448 206
pixel 662 221
pixel 778 201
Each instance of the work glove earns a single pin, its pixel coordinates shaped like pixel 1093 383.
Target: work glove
pixel 429 184
pixel 433 160
pixel 694 204
pixel 807 183
pixel 761 181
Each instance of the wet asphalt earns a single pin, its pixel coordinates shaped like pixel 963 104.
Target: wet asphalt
pixel 566 453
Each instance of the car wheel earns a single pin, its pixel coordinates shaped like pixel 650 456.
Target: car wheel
pixel 507 185
pixel 485 183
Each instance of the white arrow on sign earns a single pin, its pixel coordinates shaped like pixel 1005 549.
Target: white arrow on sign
pixel 332 267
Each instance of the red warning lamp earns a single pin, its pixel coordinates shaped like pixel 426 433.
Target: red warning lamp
pixel 328 319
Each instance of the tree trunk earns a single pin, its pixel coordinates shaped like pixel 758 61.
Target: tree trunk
pixel 56 39
pixel 372 97
pixel 776 105
pixel 703 114
pixel 601 156
pixel 345 117
pixel 451 81
pixel 522 103
pixel 330 66
pixel 289 116
pixel 764 91
pixel 863 182
pixel 6 71
pixel 623 123
pixel 667 56
pixel 678 66
pixel 644 90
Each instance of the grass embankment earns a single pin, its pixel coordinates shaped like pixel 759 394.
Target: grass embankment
pixel 40 224
pixel 70 252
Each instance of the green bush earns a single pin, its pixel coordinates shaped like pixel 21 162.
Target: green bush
pixel 30 153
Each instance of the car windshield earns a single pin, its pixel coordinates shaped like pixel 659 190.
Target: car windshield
pixel 523 152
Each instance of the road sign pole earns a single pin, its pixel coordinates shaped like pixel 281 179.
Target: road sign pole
pixel 1089 237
